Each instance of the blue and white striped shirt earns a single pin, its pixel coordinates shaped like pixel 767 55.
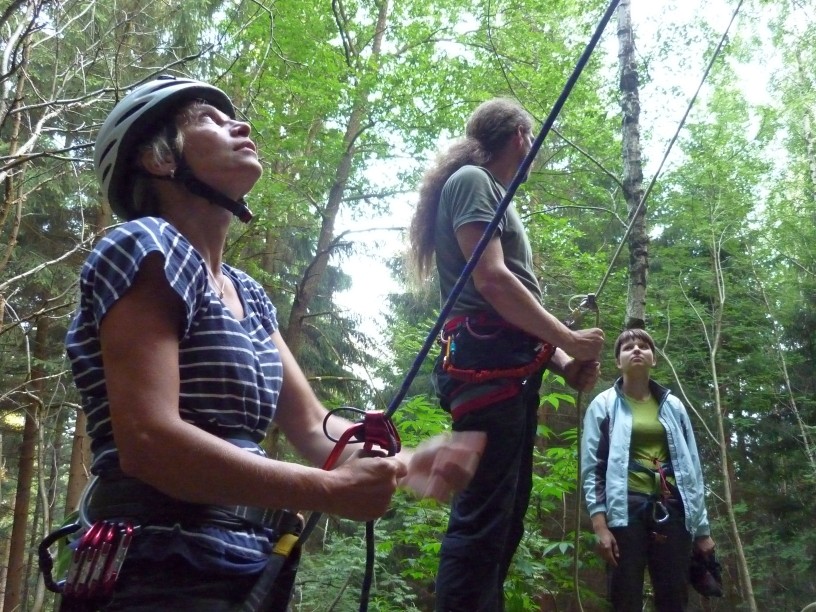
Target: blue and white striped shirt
pixel 230 371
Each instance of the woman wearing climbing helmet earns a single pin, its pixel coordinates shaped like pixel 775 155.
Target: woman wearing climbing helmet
pixel 181 368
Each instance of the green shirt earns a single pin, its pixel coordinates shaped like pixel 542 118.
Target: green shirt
pixel 471 195
pixel 648 443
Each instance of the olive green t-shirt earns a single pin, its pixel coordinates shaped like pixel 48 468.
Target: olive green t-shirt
pixel 649 443
pixel 472 195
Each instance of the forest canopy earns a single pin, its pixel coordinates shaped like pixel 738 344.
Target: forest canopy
pixel 677 184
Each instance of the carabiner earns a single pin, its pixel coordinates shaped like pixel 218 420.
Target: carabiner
pixel 588 304
pixel 663 509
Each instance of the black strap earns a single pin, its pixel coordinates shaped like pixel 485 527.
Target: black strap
pixel 636 466
pixel 273 590
pixel 198 187
pixel 116 496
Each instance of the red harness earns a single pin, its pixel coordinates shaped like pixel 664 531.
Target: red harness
pixel 514 376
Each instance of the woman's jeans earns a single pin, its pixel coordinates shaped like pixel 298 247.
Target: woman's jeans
pixel 665 549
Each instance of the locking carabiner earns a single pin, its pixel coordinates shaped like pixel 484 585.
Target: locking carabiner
pixel 661 506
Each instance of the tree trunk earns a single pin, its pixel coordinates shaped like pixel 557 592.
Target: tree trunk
pixel 307 289
pixel 80 465
pixel 778 348
pixel 4 557
pixel 722 435
pixel 25 477
pixel 632 171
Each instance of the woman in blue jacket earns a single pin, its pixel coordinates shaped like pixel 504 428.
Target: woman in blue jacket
pixel 643 483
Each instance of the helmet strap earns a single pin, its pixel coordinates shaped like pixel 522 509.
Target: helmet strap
pixel 194 185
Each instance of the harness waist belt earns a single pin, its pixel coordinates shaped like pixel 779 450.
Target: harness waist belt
pixel 130 497
pixel 635 466
pixel 539 353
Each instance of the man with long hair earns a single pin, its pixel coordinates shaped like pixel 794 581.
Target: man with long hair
pixel 497 342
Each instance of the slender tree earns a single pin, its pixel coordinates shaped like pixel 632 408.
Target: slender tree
pixel 632 170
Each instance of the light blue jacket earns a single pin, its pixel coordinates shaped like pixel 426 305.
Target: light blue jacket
pixel 605 457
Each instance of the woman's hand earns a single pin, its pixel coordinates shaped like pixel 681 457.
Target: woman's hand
pixel 443 465
pixel 607 546
pixel 361 488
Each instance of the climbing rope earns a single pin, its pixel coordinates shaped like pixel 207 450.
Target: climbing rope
pixel 390 445
pixel 519 177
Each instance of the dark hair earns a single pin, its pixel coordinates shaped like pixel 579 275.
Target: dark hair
pixel 633 334
pixel 488 130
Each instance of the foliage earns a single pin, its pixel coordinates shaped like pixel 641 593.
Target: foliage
pixel 347 102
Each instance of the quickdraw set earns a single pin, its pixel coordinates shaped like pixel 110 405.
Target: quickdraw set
pixel 94 565
pixel 97 559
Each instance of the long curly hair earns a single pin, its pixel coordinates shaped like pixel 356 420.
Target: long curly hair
pixel 487 132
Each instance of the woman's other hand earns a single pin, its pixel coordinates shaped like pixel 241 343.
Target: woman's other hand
pixel 443 465
pixel 607 546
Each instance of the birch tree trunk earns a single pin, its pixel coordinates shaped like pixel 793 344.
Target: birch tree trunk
pixel 714 341
pixel 632 170
pixel 804 430
pixel 712 333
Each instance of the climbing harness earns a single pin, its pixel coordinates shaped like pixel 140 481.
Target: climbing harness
pixel 659 503
pixel 484 327
pixel 113 511
pixel 483 349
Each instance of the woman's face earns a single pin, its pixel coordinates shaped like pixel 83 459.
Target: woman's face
pixel 635 353
pixel 219 151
